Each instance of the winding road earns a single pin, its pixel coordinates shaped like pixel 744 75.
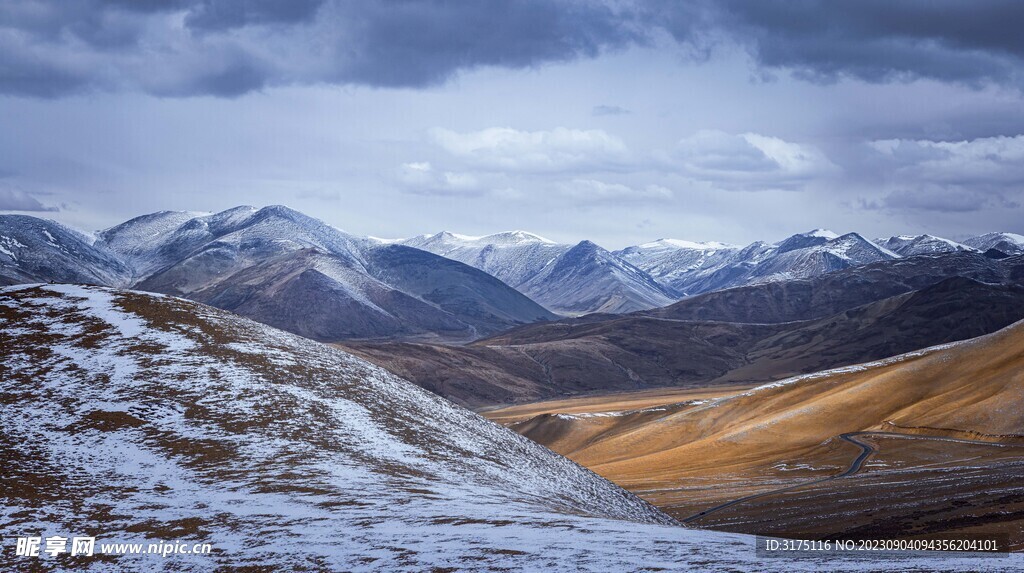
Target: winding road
pixel 855 467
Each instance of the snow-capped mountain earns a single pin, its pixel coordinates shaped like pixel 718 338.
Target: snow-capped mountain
pixel 514 257
pixel 588 278
pixel 40 250
pixel 1009 243
pixel 671 261
pixel 714 266
pixel 818 252
pixel 293 271
pixel 139 240
pixel 564 278
pixel 912 245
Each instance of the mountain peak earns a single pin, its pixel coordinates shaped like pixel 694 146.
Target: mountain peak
pixel 515 237
pixel 825 233
pixel 587 245
pixel 684 244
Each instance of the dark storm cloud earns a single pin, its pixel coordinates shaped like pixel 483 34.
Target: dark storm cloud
pixel 197 47
pixel 17 200
pixel 212 15
pixel 878 40
pixel 53 48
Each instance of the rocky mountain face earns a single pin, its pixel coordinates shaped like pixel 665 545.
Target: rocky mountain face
pixel 567 279
pixel 672 261
pixel 283 268
pixel 1008 243
pixel 588 279
pixel 694 268
pixel 39 250
pixel 911 245
pixel 756 333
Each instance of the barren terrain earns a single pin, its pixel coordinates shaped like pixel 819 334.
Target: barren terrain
pixel 925 443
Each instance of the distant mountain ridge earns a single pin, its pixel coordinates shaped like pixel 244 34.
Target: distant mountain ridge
pixel 299 273
pixel 1009 243
pixel 910 245
pixel 570 279
pixel 694 268
pixel 645 276
pixel 280 267
pixel 757 332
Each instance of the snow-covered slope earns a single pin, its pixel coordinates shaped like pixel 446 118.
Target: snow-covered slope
pixel 671 261
pixel 138 240
pixel 514 256
pixel 564 278
pixel 588 278
pixel 1009 243
pixel 912 245
pixel 40 250
pixel 803 255
pixel 293 271
pixel 139 419
pixel 225 241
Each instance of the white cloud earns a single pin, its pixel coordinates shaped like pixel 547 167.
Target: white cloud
pixel 18 200
pixel 594 191
pixel 421 178
pixel 952 176
pixel 559 149
pixel 748 161
pixel 986 159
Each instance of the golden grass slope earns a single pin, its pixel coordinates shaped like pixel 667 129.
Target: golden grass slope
pixel 973 389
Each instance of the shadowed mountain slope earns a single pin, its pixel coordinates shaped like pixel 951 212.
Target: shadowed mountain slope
pixel 288 270
pixel 569 279
pixel 40 250
pixel 712 344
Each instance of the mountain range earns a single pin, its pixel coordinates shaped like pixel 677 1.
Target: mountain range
pixel 755 333
pixel 585 278
pixel 568 279
pixel 277 266
pixel 295 272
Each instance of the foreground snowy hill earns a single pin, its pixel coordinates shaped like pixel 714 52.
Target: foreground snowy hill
pixel 569 279
pixel 140 418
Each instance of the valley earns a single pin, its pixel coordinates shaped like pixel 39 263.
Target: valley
pixel 927 443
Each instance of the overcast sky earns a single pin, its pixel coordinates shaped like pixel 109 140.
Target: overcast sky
pixel 621 122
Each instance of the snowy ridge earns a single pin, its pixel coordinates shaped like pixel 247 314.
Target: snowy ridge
pixel 682 244
pixel 1009 243
pixel 564 278
pixel 276 264
pixel 33 249
pixel 912 245
pixel 703 267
